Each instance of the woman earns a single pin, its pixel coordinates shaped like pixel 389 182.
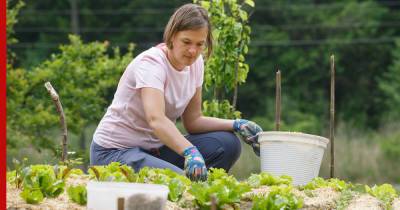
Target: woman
pixel 159 86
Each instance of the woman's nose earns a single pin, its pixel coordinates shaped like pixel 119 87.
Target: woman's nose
pixel 192 50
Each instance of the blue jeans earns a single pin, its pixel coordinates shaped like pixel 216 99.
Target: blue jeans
pixel 220 150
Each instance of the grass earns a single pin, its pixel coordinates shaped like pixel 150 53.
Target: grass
pixel 360 157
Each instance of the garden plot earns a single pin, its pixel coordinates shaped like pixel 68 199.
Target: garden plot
pixel 259 191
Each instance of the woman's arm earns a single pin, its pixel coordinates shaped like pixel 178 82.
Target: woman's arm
pixel 195 122
pixel 163 128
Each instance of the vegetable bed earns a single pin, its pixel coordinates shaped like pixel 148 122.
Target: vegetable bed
pixel 62 187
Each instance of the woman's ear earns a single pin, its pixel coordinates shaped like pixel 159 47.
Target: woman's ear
pixel 169 44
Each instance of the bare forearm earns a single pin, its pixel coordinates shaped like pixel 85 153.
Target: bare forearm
pixel 167 132
pixel 207 124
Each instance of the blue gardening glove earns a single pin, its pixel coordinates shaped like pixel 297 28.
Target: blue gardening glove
pixel 248 130
pixel 195 168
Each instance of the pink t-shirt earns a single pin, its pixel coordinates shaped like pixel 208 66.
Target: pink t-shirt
pixel 124 124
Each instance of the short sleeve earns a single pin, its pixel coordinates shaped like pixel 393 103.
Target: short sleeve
pixel 150 73
pixel 200 71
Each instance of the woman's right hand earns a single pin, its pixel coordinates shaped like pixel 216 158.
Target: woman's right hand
pixel 195 167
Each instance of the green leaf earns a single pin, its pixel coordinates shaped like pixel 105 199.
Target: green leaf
pixel 385 192
pixel 250 3
pixel 55 189
pixel 245 49
pixel 112 172
pixel 334 183
pixel 205 4
pixel 78 194
pixel 278 198
pixel 32 196
pixel 176 189
pixel 224 187
pixel 243 16
pixel 255 180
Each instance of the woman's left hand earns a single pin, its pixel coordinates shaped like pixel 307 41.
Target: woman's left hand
pixel 248 130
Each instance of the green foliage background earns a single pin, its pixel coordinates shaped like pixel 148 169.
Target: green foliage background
pixel 295 37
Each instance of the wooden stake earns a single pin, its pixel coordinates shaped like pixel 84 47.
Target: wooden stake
pixel 56 100
pixel 332 117
pixel 278 101
pixel 121 203
pixel 213 202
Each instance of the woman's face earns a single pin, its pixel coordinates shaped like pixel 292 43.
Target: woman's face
pixel 187 46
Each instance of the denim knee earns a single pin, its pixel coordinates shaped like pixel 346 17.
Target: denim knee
pixel 232 146
pixel 231 149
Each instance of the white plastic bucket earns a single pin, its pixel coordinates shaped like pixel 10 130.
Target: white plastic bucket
pixel 298 155
pixel 106 195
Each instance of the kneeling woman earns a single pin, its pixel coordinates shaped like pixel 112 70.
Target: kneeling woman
pixel 160 85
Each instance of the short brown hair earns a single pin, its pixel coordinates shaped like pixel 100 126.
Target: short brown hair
pixel 188 17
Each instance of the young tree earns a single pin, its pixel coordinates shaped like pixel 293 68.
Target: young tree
pixel 226 68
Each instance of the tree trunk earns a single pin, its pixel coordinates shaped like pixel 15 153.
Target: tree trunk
pixel 74 17
pixel 235 90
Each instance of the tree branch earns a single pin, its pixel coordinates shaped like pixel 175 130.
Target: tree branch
pixel 56 100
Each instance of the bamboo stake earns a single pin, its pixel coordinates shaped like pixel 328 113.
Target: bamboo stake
pixel 332 117
pixel 57 102
pixel 278 101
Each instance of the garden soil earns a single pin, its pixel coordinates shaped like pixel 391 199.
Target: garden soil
pixel 322 198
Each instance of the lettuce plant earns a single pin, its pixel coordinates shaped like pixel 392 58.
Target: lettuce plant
pixel 226 189
pixel 256 180
pixel 385 192
pixel 318 182
pixel 78 194
pixel 40 181
pixel 176 183
pixel 112 172
pixel 280 198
